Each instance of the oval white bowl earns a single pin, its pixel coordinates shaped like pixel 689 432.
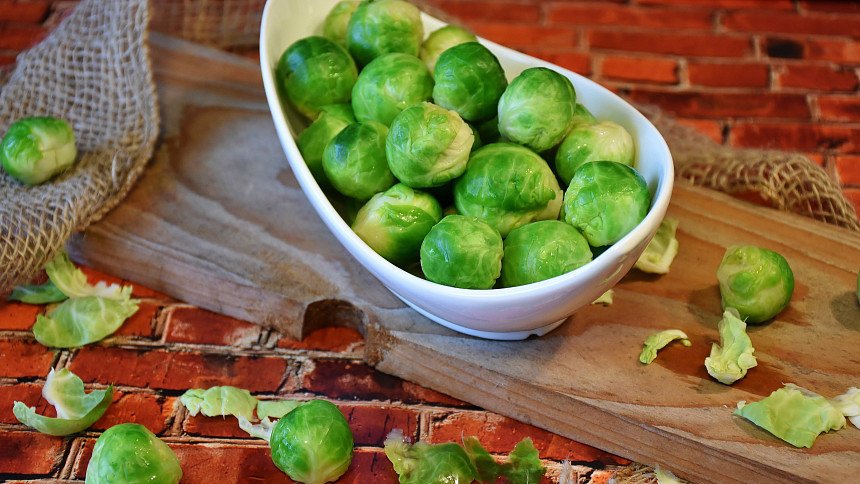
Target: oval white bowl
pixel 506 313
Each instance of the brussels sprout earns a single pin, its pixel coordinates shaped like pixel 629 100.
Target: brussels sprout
pixel 379 27
pixel 130 453
pixel 37 149
pixel 581 115
pixel 315 72
pixel 606 200
pixel 470 80
pixel 507 185
pixel 462 251
pixel 441 40
pixel 603 141
pixel 537 108
pixel 337 20
pixel 757 282
pixel 428 145
pixel 394 222
pixel 388 85
pixel 313 140
pixel 354 160
pixel 541 250
pixel 313 443
pixel 488 130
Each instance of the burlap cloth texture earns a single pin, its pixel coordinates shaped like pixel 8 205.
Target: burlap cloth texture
pixel 94 71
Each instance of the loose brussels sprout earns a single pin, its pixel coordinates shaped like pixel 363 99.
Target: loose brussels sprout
pixel 507 185
pixel 379 27
pixel 541 250
pixel 757 282
pixel 606 141
pixel 581 114
pixel 462 251
pixel 313 140
pixel 441 40
pixel 470 80
pixel 394 222
pixel 428 145
pixel 313 443
pixel 37 149
pixel 315 72
pixel 337 20
pixel 537 108
pixel 606 200
pixel 130 453
pixel 354 160
pixel 388 85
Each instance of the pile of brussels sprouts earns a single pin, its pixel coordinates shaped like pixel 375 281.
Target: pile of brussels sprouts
pixel 443 164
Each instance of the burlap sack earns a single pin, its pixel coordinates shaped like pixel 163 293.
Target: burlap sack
pixel 93 71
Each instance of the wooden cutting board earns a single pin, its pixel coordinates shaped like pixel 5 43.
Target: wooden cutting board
pixel 219 221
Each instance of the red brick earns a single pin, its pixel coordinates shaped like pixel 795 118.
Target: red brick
pixel 20 37
pixel 839 107
pixel 671 43
pixel 804 137
pixel 829 6
pixel 711 129
pixel 194 325
pixel 371 424
pixel 24 12
pixel 633 16
pixel 221 426
pixel 491 11
pixel 356 380
pixel 836 50
pixel 151 411
pixel 335 339
pixel 499 435
pixel 726 104
pixel 30 453
pixel 28 393
pixel 177 370
pixel 578 62
pixel 727 4
pixel 750 20
pixel 518 36
pixel 140 323
pixel 640 69
pixel 17 315
pixel 728 74
pixel 848 168
pixel 817 77
pixel 24 359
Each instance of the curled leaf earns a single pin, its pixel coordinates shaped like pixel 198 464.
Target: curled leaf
pixel 37 293
pixel 220 401
pixel 73 282
pixel 658 341
pixel 82 320
pixel 661 250
pixel 730 361
pixel 76 409
pixel 849 404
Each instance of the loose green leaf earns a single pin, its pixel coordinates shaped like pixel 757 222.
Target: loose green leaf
pixel 275 408
pixel 82 320
pixel 261 430
pixel 658 341
pixel 37 293
pixel 793 414
pixel 849 404
pixel 73 282
pixel 524 465
pixel 661 250
pixel 729 363
pixel 220 401
pixel 606 298
pixel 76 409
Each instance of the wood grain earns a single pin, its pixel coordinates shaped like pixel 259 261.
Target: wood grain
pixel 219 221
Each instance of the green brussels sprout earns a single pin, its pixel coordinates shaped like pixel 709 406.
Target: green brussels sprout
pixel 507 185
pixel 462 251
pixel 315 72
pixel 37 149
pixel 388 85
pixel 130 453
pixel 312 444
pixel 354 160
pixel 313 140
pixel 337 20
pixel 537 108
pixel 605 141
pixel 441 40
pixel 428 145
pixel 540 250
pixel 581 115
pixel 470 80
pixel 757 282
pixel 394 222
pixel 488 130
pixel 605 200
pixel 379 27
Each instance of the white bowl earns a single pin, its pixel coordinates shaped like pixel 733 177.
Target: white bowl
pixel 507 313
